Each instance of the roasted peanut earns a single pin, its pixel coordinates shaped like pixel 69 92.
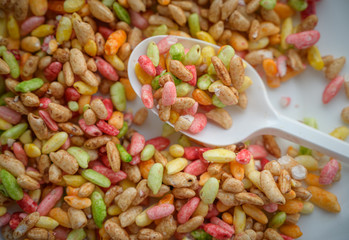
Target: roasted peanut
pixel 221 117
pixel 65 161
pixel 59 113
pixel 270 188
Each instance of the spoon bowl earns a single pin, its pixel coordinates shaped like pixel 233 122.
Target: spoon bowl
pixel 257 119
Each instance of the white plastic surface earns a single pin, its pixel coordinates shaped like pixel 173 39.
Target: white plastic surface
pixel 258 118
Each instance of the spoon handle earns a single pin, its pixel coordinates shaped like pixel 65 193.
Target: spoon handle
pixel 302 134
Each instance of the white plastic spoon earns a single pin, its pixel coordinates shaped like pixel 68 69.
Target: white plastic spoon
pixel 257 119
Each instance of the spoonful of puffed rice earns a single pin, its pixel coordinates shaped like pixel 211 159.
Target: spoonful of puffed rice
pixel 213 96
